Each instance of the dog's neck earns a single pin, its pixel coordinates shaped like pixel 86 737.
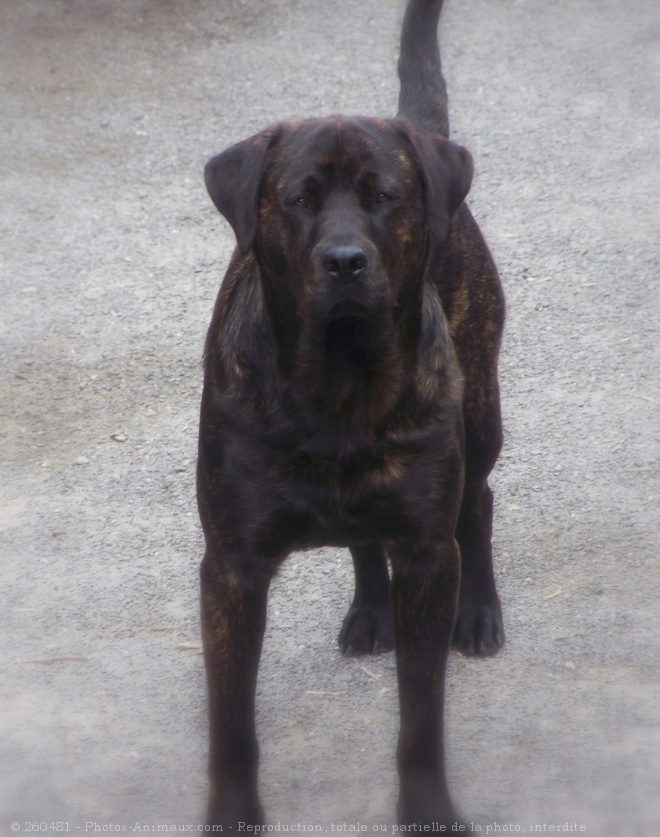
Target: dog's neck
pixel 350 370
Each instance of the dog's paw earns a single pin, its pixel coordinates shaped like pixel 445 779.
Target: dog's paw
pixel 221 818
pixel 430 814
pixel 231 809
pixel 366 630
pixel 479 629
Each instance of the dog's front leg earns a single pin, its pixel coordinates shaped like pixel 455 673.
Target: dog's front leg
pixel 424 594
pixel 233 610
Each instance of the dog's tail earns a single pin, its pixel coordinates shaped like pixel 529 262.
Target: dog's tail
pixel 423 96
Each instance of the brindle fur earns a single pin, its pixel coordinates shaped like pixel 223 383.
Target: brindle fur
pixel 351 398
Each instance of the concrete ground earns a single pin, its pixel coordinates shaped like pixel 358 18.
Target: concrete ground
pixel 111 258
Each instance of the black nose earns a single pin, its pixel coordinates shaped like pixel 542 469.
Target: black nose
pixel 344 262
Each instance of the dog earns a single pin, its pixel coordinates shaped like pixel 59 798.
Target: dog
pixel 351 398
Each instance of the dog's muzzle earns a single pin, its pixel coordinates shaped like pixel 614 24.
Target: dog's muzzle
pixel 349 280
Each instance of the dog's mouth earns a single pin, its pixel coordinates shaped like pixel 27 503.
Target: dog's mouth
pixel 349 308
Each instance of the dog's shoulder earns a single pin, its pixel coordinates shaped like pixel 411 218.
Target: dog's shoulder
pixel 467 281
pixel 240 356
pixel 239 310
pixel 438 381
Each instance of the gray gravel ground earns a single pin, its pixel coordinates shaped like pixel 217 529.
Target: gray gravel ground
pixel 111 258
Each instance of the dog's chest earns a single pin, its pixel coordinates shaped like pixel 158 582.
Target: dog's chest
pixel 347 498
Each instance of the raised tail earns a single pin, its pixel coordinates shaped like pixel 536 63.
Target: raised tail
pixel 423 96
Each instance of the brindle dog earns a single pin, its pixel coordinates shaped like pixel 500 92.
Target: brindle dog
pixel 351 398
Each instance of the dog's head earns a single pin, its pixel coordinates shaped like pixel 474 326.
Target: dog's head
pixel 340 209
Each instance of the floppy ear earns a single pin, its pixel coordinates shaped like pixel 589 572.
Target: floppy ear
pixel 447 171
pixel 233 179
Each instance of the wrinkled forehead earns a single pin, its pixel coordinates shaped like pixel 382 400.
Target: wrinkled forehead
pixel 343 148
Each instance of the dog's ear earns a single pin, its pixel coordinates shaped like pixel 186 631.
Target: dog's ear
pixel 233 180
pixel 447 171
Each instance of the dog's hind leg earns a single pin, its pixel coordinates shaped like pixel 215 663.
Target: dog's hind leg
pixel 367 627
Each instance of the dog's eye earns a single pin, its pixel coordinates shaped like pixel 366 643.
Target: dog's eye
pixel 383 197
pixel 300 201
